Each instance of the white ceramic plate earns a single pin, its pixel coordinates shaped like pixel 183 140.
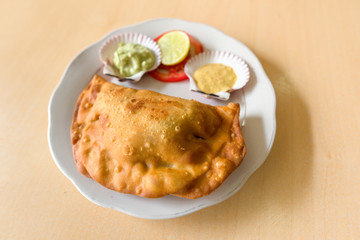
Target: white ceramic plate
pixel 257 99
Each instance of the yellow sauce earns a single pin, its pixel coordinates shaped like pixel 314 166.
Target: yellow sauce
pixel 215 77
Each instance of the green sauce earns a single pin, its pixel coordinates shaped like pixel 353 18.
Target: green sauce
pixel 132 58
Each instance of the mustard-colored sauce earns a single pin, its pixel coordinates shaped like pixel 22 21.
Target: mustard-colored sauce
pixel 215 77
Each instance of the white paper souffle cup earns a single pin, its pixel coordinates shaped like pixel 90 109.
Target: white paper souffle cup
pixel 108 48
pixel 239 66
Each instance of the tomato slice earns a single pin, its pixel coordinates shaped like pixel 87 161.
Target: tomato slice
pixel 176 72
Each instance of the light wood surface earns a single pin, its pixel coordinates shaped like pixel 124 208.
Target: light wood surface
pixel 309 186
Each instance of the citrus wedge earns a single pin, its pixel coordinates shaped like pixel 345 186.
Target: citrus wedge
pixel 174 47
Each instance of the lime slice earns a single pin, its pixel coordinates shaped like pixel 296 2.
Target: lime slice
pixel 174 47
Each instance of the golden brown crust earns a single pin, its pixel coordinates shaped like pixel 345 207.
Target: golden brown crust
pixel 227 160
pixel 145 143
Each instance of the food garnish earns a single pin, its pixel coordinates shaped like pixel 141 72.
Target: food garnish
pixel 174 47
pixel 175 73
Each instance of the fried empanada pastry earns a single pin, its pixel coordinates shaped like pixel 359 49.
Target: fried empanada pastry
pixel 149 144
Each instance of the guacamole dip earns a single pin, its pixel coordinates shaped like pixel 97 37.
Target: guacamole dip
pixel 131 58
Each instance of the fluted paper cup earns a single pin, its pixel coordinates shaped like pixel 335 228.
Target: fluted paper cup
pixel 239 66
pixel 110 46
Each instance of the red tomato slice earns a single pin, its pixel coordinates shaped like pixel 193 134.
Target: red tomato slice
pixel 176 72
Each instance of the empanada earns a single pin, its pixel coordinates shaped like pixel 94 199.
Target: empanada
pixel 149 144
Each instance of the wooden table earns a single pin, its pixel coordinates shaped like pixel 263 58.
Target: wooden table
pixel 309 186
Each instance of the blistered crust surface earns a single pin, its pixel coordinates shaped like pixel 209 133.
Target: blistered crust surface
pixel 149 144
